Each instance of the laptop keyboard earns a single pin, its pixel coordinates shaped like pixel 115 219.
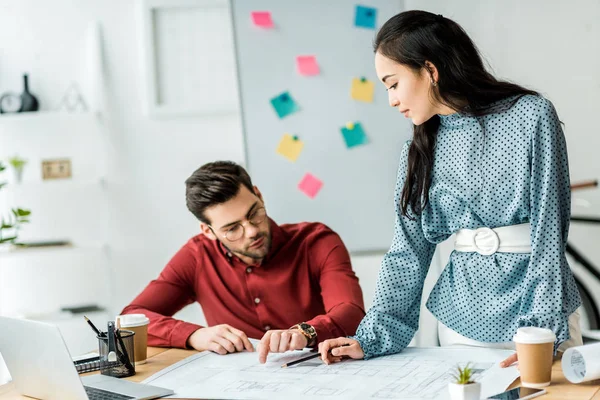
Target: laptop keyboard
pixel 99 394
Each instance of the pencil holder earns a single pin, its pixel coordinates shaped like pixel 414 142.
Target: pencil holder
pixel 124 366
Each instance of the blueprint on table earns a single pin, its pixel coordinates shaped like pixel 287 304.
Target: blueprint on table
pixel 416 373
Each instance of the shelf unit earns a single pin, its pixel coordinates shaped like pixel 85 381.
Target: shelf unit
pixel 36 282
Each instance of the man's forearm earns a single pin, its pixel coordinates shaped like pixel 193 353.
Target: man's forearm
pixel 164 331
pixel 341 320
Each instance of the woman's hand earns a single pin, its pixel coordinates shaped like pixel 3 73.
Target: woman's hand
pixel 509 361
pixel 333 350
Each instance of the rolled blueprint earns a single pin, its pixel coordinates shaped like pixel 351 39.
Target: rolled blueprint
pixel 582 363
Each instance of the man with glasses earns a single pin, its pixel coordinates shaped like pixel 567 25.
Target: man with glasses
pixel 292 285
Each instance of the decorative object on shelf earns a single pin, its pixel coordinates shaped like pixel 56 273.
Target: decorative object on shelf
pixel 463 386
pixel 18 165
pixel 56 169
pixel 10 102
pixel 72 100
pixel 28 100
pixel 11 224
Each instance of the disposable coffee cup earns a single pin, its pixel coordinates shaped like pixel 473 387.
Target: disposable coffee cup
pixel 535 350
pixel 137 323
pixel 581 363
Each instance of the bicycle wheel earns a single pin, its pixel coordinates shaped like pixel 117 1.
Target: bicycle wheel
pixel 590 318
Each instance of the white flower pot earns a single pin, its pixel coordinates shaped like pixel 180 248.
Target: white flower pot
pixel 472 391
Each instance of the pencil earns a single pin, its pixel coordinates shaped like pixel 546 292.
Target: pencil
pixel 93 326
pixel 311 357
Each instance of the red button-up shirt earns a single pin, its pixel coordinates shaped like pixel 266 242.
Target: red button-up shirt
pixel 306 277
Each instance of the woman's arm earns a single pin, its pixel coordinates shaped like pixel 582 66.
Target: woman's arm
pixel 391 323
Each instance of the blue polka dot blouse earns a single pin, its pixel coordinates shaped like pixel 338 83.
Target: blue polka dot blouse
pixel 505 168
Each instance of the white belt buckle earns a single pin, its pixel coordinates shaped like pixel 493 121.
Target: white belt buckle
pixel 489 238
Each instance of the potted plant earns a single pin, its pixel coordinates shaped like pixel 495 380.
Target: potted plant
pixel 11 223
pixel 18 165
pixel 463 387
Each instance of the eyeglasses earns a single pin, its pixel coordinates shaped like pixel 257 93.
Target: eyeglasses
pixel 238 230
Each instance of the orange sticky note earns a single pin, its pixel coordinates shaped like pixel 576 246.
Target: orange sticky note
pixel 290 147
pixel 362 90
pixel 307 65
pixel 262 19
pixel 310 185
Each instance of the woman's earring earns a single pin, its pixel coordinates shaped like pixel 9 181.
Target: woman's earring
pixel 433 83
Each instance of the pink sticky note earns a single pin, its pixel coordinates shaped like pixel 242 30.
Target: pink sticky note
pixel 262 19
pixel 307 65
pixel 310 185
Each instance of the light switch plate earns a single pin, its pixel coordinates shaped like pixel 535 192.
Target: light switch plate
pixel 56 169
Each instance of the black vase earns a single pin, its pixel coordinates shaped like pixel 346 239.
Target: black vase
pixel 28 101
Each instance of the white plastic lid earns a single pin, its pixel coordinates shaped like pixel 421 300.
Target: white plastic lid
pixel 132 320
pixel 533 335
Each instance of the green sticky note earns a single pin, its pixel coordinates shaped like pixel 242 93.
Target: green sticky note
pixel 284 105
pixel 365 17
pixel 354 135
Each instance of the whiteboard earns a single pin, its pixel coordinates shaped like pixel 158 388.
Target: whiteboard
pixel 356 199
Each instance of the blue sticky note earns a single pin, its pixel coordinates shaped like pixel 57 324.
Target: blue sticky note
pixel 366 17
pixel 284 105
pixel 354 134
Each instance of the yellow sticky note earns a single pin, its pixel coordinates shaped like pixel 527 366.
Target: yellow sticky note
pixel 362 90
pixel 290 147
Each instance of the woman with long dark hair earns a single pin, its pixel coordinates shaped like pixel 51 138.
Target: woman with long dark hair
pixel 487 162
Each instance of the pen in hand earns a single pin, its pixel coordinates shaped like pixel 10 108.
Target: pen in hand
pixel 311 357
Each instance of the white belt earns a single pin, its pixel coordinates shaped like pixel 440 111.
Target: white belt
pixel 487 241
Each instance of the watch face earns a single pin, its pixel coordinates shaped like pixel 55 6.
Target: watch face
pixel 10 103
pixel 304 326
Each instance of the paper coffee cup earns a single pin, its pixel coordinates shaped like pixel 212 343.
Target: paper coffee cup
pixel 137 323
pixel 582 363
pixel 535 350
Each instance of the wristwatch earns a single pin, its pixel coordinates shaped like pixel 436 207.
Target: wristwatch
pixel 308 331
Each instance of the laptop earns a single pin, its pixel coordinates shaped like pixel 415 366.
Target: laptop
pixel 40 365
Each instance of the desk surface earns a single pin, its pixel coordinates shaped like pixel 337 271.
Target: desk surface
pixel 159 358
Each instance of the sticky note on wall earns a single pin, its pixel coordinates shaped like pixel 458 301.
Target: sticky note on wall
pixel 290 147
pixel 365 17
pixel 354 134
pixel 310 185
pixel 307 65
pixel 362 90
pixel 262 19
pixel 284 104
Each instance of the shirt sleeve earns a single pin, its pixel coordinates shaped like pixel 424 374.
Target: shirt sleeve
pixel 340 290
pixel 548 280
pixel 391 323
pixel 163 297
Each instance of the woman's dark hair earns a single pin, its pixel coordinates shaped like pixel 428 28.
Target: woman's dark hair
pixel 214 183
pixel 412 38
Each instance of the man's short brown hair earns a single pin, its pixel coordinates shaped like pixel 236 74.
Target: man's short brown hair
pixel 214 183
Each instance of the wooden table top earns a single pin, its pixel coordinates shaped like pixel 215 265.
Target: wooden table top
pixel 159 358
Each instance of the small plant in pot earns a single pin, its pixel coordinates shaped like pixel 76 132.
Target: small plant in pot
pixel 18 165
pixel 463 387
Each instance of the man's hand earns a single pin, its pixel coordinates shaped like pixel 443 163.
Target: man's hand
pixel 221 339
pixel 279 341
